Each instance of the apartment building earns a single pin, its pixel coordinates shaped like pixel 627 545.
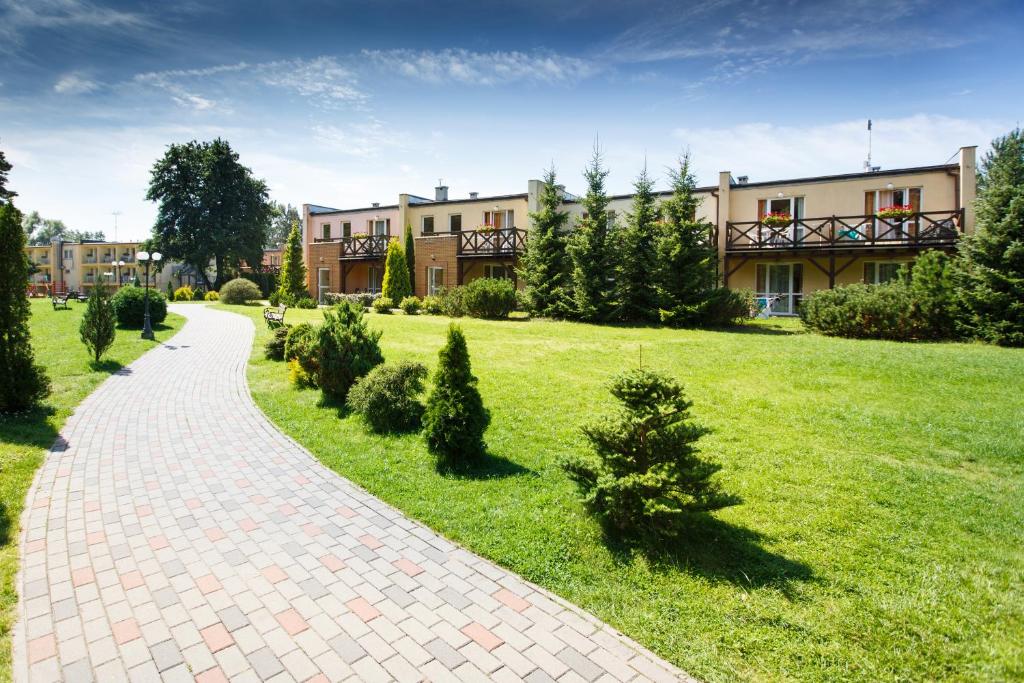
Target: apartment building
pixel 782 238
pixel 78 266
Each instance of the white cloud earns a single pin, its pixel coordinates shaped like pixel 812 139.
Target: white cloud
pixel 321 77
pixel 75 83
pixel 17 17
pixel 366 140
pixel 482 68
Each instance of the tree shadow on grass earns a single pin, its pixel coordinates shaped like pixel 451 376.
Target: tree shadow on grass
pixel 5 524
pixel 29 428
pixel 717 551
pixel 109 366
pixel 489 466
pixel 767 329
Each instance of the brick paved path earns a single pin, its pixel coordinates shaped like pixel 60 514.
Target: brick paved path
pixel 174 533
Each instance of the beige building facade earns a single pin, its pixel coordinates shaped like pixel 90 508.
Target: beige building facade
pixel 78 266
pixel 781 239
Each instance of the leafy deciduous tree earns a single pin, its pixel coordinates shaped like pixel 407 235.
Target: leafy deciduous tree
pixel 5 167
pixel 283 217
pixel 210 208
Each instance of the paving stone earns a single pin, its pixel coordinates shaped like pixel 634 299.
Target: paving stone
pixel 217 548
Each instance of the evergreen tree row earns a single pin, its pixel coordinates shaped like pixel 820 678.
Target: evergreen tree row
pixel 658 265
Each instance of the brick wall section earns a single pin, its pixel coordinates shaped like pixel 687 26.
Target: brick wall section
pixel 323 255
pixel 437 250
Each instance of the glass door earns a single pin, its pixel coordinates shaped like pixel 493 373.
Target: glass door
pixel 375 279
pixel 780 285
pixel 380 227
pixel 323 283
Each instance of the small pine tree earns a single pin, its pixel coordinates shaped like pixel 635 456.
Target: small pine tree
pixel 410 259
pixel 635 297
pixel 645 472
pixel 592 258
pixel 932 297
pixel 170 288
pixel 687 269
pixel 98 326
pixel 991 270
pixel 544 266
pixel 24 382
pixel 396 274
pixel 455 418
pixel 293 269
pixel 348 349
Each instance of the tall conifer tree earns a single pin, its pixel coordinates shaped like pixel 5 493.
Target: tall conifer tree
pixel 592 262
pixel 410 259
pixel 635 295
pixel 544 266
pixel 396 274
pixel 293 270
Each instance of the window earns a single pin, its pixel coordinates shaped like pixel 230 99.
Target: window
pixel 379 226
pixel 780 285
pixel 611 220
pixel 500 220
pixel 435 279
pixel 794 207
pixel 375 279
pixel 326 231
pixel 427 225
pixel 879 273
pixel 455 222
pixel 346 229
pixel 491 270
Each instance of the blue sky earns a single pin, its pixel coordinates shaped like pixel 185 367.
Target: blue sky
pixel 345 103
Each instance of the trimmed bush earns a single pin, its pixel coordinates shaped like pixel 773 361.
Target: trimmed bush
pixel 861 311
pixel 198 294
pixel 183 294
pixel 273 348
pixel 275 298
pixel 298 376
pixel 348 350
pixel 97 329
pixel 410 305
pixel 239 291
pixel 432 305
pixel 453 302
pixel 387 398
pixel 487 297
pixel 364 299
pixel 383 305
pixel 644 473
pixel 211 296
pixel 455 418
pixel 305 302
pixel 302 345
pixel 130 306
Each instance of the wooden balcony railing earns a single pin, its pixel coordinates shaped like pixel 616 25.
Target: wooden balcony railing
pixel 840 233
pixel 505 242
pixel 367 247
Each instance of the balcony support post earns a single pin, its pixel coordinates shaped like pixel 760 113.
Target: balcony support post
pixel 831 271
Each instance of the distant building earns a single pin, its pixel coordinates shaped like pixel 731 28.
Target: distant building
pixel 78 266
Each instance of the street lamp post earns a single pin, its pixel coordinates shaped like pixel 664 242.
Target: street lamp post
pixel 148 258
pixel 119 265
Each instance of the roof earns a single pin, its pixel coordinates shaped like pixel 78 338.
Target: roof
pixel 471 200
pixel 852 176
pixel 323 210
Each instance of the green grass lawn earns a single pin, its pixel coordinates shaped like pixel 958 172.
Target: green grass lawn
pixel 25 438
pixel 881 531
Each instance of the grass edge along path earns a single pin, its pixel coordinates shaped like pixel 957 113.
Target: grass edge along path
pixel 25 438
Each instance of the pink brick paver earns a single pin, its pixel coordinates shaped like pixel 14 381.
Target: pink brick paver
pixel 174 533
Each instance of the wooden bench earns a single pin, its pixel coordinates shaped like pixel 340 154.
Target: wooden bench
pixel 274 316
pixel 59 301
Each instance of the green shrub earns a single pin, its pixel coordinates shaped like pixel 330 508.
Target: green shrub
pixel 410 305
pixel 644 473
pixel 198 294
pixel 487 297
pixel 97 329
pixel 305 302
pixel 396 284
pixel 130 306
pixel 183 293
pixel 275 298
pixel 239 291
pixel 302 345
pixel 298 376
pixel 211 296
pixel 273 348
pixel 170 290
pixel 933 297
pixel 383 305
pixel 455 417
pixel 387 398
pixel 453 301
pixel 861 311
pixel 348 350
pixel 364 299
pixel 432 305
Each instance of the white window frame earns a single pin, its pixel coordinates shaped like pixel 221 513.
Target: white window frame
pixel 508 220
pixel 370 287
pixel 379 226
pixel 489 269
pixel 322 288
pixel 875 270
pixel 793 297
pixel 432 272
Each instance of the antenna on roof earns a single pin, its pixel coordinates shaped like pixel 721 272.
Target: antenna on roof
pixel 867 164
pixel 115 214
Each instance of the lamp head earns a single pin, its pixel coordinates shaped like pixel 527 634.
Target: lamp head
pixel 142 255
pixel 156 256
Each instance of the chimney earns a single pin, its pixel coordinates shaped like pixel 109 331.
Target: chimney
pixel 441 191
pixel 474 195
pixel 742 180
pixel 376 205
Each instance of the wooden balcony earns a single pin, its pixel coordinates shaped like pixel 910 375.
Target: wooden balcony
pixel 504 243
pixel 368 247
pixel 921 230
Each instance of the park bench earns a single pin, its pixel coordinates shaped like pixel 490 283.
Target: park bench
pixel 59 300
pixel 274 316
